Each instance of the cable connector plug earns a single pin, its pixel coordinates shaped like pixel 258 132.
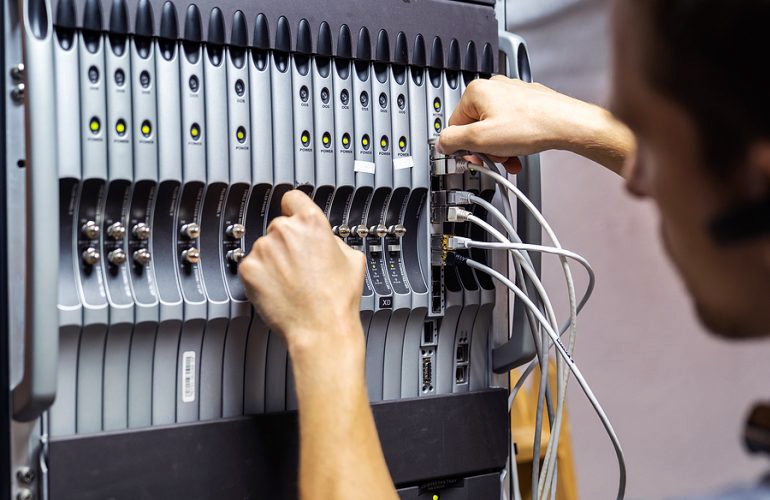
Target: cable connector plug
pixel 446 198
pixel 454 259
pixel 457 243
pixel 457 214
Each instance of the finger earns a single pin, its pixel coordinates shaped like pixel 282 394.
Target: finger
pixel 498 159
pixel 278 222
pixel 295 201
pixel 466 111
pixel 456 137
pixel 513 165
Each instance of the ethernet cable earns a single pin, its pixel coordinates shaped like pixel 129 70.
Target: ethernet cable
pixel 561 349
pixel 542 345
pixel 562 374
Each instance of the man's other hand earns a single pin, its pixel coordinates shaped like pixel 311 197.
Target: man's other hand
pixel 305 282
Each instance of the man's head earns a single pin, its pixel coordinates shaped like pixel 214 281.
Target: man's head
pixel 689 79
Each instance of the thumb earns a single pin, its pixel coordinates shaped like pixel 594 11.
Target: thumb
pixel 457 137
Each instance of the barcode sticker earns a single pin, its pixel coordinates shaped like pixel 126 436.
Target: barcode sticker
pixel 188 376
pixel 402 163
pixel 366 167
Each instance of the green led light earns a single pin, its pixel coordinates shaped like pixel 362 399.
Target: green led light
pixel 240 134
pixel 146 128
pixel 95 125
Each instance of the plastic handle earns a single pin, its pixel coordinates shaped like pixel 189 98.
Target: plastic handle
pixel 37 389
pixel 520 348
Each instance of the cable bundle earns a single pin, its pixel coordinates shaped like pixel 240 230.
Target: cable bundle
pixel 542 320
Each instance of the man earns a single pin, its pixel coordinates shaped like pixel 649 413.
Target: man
pixel 689 84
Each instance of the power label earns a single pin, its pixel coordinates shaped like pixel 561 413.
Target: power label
pixel 188 376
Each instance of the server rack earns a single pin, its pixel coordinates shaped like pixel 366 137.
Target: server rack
pixel 141 161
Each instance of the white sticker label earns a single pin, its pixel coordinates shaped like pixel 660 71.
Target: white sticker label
pixel 188 377
pixel 402 163
pixel 366 167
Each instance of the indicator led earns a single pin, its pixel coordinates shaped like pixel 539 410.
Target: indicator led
pixel 120 127
pixel 146 128
pixel 327 139
pixel 437 124
pixel 384 143
pixel 365 142
pixel 305 138
pixel 195 131
pixel 437 104
pixel 240 134
pixel 95 125
pixel 402 144
pixel 346 141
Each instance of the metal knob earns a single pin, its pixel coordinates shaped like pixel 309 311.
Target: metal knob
pixel 17 93
pixel 236 256
pixel 235 231
pixel 17 72
pixel 117 256
pixel 142 256
pixel 91 256
pixel 398 230
pixel 343 231
pixel 191 231
pixel 24 494
pixel 141 231
pixel 361 231
pixel 192 255
pixel 116 231
pixel 25 475
pixel 378 231
pixel 91 230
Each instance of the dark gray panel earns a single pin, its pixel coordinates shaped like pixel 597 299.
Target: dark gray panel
pixel 257 456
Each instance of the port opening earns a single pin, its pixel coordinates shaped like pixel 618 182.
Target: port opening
pixel 462 353
pixel 429 333
pixel 461 374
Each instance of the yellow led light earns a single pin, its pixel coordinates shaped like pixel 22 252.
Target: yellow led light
pixel 437 104
pixel 146 129
pixel 195 132
pixel 437 125
pixel 365 141
pixel 240 135
pixel 383 143
pixel 345 141
pixel 94 125
pixel 326 139
pixel 305 139
pixel 435 497
pixel 120 127
pixel 402 144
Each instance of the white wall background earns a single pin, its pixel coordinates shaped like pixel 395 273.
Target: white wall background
pixel 677 397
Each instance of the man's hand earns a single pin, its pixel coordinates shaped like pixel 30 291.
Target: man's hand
pixel 507 118
pixel 306 284
pixel 304 281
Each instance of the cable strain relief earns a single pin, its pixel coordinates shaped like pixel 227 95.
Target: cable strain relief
pixel 454 259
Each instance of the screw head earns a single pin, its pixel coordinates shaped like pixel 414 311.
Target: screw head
pixel 117 256
pixel 142 256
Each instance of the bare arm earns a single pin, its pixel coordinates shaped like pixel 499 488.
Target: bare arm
pixel 306 284
pixel 508 118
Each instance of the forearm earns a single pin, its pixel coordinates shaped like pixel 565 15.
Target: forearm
pixel 592 132
pixel 340 453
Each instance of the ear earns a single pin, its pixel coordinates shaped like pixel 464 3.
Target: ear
pixel 755 183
